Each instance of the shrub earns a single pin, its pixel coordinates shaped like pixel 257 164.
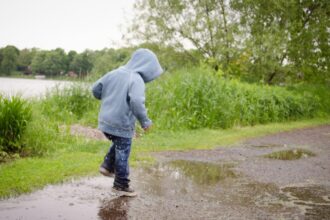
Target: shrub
pixel 15 114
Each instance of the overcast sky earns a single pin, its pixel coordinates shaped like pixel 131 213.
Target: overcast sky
pixel 69 24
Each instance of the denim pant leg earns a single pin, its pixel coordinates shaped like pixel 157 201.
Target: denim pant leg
pixel 109 159
pixel 122 152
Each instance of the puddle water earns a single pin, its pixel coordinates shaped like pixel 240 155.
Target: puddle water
pixel 220 185
pixel 290 154
pixel 204 173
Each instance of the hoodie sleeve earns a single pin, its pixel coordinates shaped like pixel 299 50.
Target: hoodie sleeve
pixel 136 100
pixel 97 89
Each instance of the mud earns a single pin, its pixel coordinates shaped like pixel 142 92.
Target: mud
pixel 224 183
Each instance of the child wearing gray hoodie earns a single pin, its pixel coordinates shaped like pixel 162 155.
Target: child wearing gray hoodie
pixel 122 95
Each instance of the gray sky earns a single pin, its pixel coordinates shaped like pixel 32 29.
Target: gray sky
pixel 69 24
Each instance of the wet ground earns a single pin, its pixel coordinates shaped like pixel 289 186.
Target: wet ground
pixel 282 176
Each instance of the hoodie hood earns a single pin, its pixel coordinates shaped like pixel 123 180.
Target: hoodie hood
pixel 145 62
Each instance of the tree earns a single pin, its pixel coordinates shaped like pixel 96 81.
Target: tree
pixel 257 40
pixel 81 63
pixel 109 59
pixel 286 39
pixel 9 56
pixel 208 25
pixel 50 63
pixel 38 65
pixel 25 58
pixel 170 58
pixel 71 56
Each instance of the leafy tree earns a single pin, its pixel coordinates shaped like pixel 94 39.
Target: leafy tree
pixel 257 40
pixel 25 58
pixel 109 59
pixel 71 56
pixel 207 25
pixel 170 58
pixel 38 65
pixel 50 63
pixel 9 56
pixel 286 39
pixel 81 63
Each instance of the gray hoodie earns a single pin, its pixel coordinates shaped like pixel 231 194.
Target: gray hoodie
pixel 122 94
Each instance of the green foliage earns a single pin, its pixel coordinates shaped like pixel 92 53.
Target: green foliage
pixel 199 98
pixel 15 113
pixel 50 63
pixel 42 135
pixel 171 58
pixel 254 40
pixel 206 25
pixel 287 40
pixel 110 59
pixel 69 103
pixel 25 57
pixel 81 63
pixel 319 92
pixel 8 59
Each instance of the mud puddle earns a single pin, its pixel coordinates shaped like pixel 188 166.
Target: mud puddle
pixel 225 183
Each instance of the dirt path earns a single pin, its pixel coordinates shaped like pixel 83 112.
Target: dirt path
pixel 236 182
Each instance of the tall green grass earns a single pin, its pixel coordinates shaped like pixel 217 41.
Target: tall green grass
pixel 200 99
pixel 70 104
pixel 15 113
pixel 320 92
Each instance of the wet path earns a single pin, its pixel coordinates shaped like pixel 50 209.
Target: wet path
pixel 247 181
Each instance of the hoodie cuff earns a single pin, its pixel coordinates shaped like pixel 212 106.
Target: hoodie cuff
pixel 145 124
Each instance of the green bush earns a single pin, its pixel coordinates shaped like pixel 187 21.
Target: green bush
pixel 199 98
pixel 15 113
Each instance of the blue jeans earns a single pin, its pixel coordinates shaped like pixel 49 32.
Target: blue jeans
pixel 116 160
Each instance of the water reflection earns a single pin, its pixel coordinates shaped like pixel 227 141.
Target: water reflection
pixel 314 201
pixel 290 154
pixel 204 173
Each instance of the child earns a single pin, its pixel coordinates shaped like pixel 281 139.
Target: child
pixel 122 94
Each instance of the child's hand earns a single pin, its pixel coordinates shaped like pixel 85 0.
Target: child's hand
pixel 147 129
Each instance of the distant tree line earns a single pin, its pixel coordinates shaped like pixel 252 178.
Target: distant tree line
pixel 94 63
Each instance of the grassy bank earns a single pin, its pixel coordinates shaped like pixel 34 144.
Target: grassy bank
pixel 82 156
